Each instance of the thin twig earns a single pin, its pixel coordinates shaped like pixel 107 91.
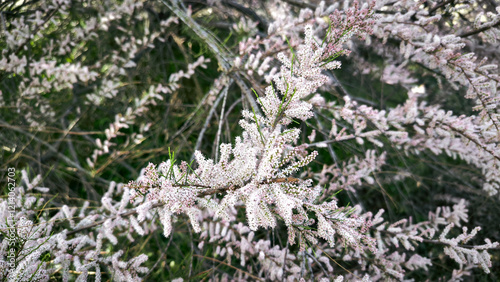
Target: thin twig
pixel 190 117
pixel 55 151
pixel 436 242
pixel 159 259
pixel 207 121
pixel 283 269
pixel 224 263
pixel 440 5
pixel 322 131
pixel 217 137
pixel 319 264
pixel 224 56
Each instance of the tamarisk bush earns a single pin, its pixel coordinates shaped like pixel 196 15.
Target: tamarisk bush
pixel 367 146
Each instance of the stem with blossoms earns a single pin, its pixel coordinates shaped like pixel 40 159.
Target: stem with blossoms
pixel 263 159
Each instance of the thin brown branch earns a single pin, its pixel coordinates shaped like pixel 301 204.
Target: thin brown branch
pixel 482 146
pixel 208 192
pixel 440 5
pixel 436 242
pixel 55 151
pixel 224 263
pixel 302 4
pixel 224 56
pixel 479 30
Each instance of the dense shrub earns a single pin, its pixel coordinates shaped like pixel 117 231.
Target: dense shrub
pixel 367 147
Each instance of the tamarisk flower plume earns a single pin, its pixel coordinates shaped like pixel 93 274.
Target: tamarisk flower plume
pixel 257 171
pixel 37 237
